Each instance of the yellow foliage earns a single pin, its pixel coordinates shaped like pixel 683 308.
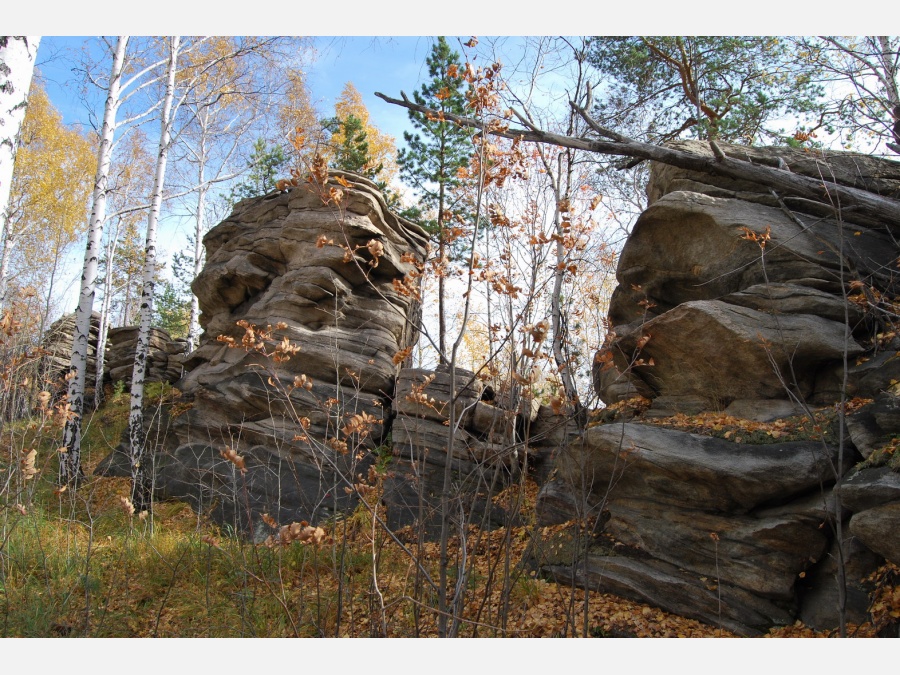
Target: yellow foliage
pixel 382 148
pixel 50 192
pixel 298 119
pixel 53 176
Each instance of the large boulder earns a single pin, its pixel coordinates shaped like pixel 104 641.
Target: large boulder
pixel 664 585
pixel 873 495
pixel 726 352
pixel 691 471
pixel 877 528
pixel 701 512
pixel 772 266
pixel 864 172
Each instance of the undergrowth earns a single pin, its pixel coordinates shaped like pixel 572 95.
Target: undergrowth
pixel 83 565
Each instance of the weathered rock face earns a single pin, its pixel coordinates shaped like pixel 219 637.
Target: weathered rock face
pixel 693 284
pixel 57 342
pixel 873 495
pixel 309 420
pixel 877 528
pixel 728 352
pixel 731 299
pixel 745 518
pixel 163 358
pixel 483 459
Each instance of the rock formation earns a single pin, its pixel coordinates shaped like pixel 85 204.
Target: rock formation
pixel 483 460
pixel 734 299
pixel 57 343
pixel 741 292
pixel 164 358
pixel 326 294
pixel 731 299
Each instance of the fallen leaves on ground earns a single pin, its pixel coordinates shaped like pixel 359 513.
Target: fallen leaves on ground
pixel 740 430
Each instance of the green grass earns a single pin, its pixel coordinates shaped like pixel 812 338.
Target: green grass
pixel 78 565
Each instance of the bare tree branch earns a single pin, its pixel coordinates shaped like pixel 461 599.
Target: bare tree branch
pixel 888 210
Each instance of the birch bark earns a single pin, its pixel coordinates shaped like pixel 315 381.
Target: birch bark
pixel 70 463
pixel 17 54
pixel 140 473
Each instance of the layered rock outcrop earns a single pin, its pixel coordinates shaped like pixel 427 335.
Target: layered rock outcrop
pixel 731 299
pixel 737 300
pixel 57 345
pixel 731 526
pixel 737 294
pixel 164 357
pixel 323 282
pixel 483 460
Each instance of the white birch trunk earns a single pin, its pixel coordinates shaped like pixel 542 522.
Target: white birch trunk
pixel 17 54
pixel 9 243
pixel 70 464
pixel 194 328
pixel 104 318
pixel 194 325
pixel 140 461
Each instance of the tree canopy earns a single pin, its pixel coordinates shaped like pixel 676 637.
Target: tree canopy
pixel 50 193
pixel 346 135
pixel 730 88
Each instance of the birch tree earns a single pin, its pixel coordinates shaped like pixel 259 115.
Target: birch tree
pixel 17 54
pixel 227 100
pixel 70 462
pixel 141 491
pixel 125 80
pixel 178 89
pixel 129 192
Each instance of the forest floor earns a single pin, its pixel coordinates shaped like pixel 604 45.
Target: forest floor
pixel 83 565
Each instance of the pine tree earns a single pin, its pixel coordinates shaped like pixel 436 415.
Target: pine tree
pixel 172 310
pixel 265 166
pixel 435 155
pixel 351 152
pixel 727 88
pixel 381 152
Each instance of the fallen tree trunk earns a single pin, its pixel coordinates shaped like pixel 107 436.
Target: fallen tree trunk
pixel 843 197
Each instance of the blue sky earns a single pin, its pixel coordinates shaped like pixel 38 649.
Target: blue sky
pixel 386 64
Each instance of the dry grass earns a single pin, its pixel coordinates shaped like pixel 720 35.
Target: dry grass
pixel 80 565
